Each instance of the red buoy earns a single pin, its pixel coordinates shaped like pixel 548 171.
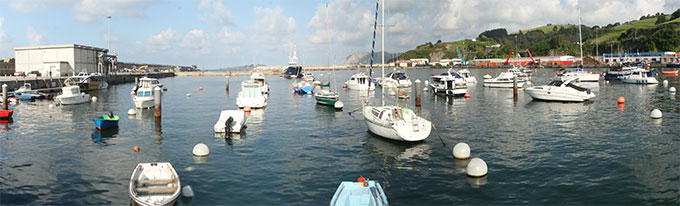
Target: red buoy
pixel 621 100
pixel 467 95
pixel 246 109
pixel 433 74
pixel 361 179
pixel 491 72
pixel 200 89
pixel 136 148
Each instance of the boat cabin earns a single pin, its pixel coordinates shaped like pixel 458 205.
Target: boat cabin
pixel 70 90
pixel 251 89
pixel 293 71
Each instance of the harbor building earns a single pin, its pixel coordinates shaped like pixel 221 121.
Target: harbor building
pixel 6 66
pixel 652 57
pixel 63 60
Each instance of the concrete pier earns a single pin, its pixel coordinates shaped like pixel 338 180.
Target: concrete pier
pixel 45 84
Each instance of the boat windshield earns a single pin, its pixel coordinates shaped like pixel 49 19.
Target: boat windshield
pixel 577 87
pixel 399 76
pixel 251 91
pixel 555 83
pixel 144 93
pixel 293 70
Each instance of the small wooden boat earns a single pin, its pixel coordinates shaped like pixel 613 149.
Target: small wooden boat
pixel 230 121
pixel 106 121
pixel 154 184
pixel 402 95
pixel 6 114
pixel 670 73
pixel 362 192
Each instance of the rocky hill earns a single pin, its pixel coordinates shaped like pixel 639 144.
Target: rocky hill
pixel 365 58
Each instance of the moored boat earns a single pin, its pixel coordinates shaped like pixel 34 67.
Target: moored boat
pixel 6 114
pixel 254 92
pixel 639 76
pixel 303 87
pixel 150 82
pixel 360 81
pixel 87 81
pixel 361 192
pixel 154 184
pixel 504 80
pixel 293 70
pixel 448 83
pixel 72 95
pixel 557 90
pixel 106 121
pixel 465 73
pixel 144 98
pixel 25 92
pixel 230 121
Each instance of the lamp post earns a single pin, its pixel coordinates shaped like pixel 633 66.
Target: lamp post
pixel 108 36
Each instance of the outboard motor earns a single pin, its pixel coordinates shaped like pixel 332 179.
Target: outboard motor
pixel 228 124
pixel 110 114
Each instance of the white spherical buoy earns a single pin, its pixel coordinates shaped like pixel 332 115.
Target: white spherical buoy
pixel 417 81
pixel 425 89
pixel 187 191
pixel 94 99
pixel 656 114
pixel 392 93
pixel 51 106
pixel 461 151
pixel 339 105
pixel 188 94
pixel 132 112
pixel 427 83
pixel 476 167
pixel 665 83
pixel 607 82
pixel 672 89
pixel 201 150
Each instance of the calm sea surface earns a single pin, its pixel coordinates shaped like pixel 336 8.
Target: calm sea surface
pixel 295 152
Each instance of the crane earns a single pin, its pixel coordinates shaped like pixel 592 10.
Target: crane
pixel 461 56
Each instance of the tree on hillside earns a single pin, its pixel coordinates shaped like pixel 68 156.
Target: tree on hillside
pixel 675 14
pixel 660 19
pixel 666 39
pixel 497 34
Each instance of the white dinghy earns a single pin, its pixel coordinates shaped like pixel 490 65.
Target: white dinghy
pixel 154 184
pixel 230 121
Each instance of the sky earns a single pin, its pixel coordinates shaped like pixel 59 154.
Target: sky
pixel 216 34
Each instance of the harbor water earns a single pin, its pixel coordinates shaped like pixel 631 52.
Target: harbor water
pixel 297 152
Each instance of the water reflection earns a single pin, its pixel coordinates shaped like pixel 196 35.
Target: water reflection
pixel 460 165
pixel 6 122
pixel 101 136
pixel 399 152
pixel 477 182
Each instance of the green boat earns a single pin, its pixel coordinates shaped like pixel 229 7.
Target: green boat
pixel 326 97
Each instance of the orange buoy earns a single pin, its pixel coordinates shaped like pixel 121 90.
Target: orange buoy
pixel 467 95
pixel 621 100
pixel 246 109
pixel 361 179
pixel 491 72
pixel 200 89
pixel 136 148
pixel 344 86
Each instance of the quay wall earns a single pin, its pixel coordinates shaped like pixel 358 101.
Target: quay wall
pixel 54 84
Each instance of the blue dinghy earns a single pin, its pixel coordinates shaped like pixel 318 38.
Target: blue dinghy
pixel 106 121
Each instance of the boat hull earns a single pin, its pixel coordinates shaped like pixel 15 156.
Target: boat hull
pixel 6 114
pixel 400 130
pixel 143 102
pixel 503 84
pixel 649 80
pixel 75 99
pixel 326 100
pixel 103 124
pixel 254 103
pixel 154 184
pixel 234 126
pixel 556 95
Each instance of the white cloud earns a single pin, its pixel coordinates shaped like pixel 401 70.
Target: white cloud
pixel 272 27
pixel 6 47
pixel 215 13
pixel 162 41
pixel 348 23
pixel 196 40
pixel 35 39
pixel 230 37
pixel 27 5
pixel 91 10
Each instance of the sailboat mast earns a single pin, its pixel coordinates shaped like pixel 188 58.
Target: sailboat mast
pixel 383 53
pixel 580 41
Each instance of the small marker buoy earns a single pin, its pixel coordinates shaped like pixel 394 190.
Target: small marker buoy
pixel 656 114
pixel 621 100
pixel 200 89
pixel 433 74
pixel 461 151
pixel 360 179
pixel 247 109
pixel 344 86
pixel 51 106
pixel 201 150
pixel 188 94
pixel 425 89
pixel 467 95
pixel 671 90
pixel 339 105
pixel 665 83
pixel 427 83
pixel 136 148
pixel 476 168
pixel 187 191
pixel 132 112
pixel 491 72
pixel 94 99
pixel 50 116
pixel 607 82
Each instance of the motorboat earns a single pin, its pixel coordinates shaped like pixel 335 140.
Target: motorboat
pixel 106 121
pixel 361 192
pixel 308 76
pixel 448 83
pixel 326 97
pixel 154 184
pixel 617 73
pixel 504 80
pixel 72 95
pixel 87 81
pixel 254 94
pixel 6 114
pixel 293 70
pixel 230 121
pixel 360 81
pixel 395 79
pixel 150 82
pixel 303 87
pixel 25 92
pixel 465 73
pixel 639 76
pixel 670 73
pixel 396 123
pixel 144 98
pixel 563 91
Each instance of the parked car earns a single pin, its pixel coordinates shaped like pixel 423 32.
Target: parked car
pixel 34 72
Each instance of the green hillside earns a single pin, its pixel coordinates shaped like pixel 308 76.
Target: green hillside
pixel 651 33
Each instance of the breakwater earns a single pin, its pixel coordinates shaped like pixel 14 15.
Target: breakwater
pixel 47 83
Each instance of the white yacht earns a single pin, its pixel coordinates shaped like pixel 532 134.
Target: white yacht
pixel 146 81
pixel 72 95
pixel 579 74
pixel 395 122
pixel 504 80
pixel 361 82
pixel 87 82
pixel 448 83
pixel 254 92
pixel 563 91
pixel 465 73
pixel 395 79
pixel 639 76
pixel 308 76
pixel 144 98
pixel 230 121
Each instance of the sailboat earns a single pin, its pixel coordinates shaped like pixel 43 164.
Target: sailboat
pixel 578 73
pixel 393 122
pixel 326 96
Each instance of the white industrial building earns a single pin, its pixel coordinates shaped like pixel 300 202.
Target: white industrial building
pixel 63 60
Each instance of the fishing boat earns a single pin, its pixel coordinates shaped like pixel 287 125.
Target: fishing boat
pixel 87 81
pixel 254 92
pixel 6 114
pixel 72 95
pixel 230 121
pixel 293 70
pixel 394 122
pixel 361 192
pixel 26 93
pixel 154 184
pixel 150 82
pixel 448 83
pixel 360 81
pixel 106 121
pixel 465 73
pixel 639 76
pixel 563 91
pixel 144 98
pixel 504 80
